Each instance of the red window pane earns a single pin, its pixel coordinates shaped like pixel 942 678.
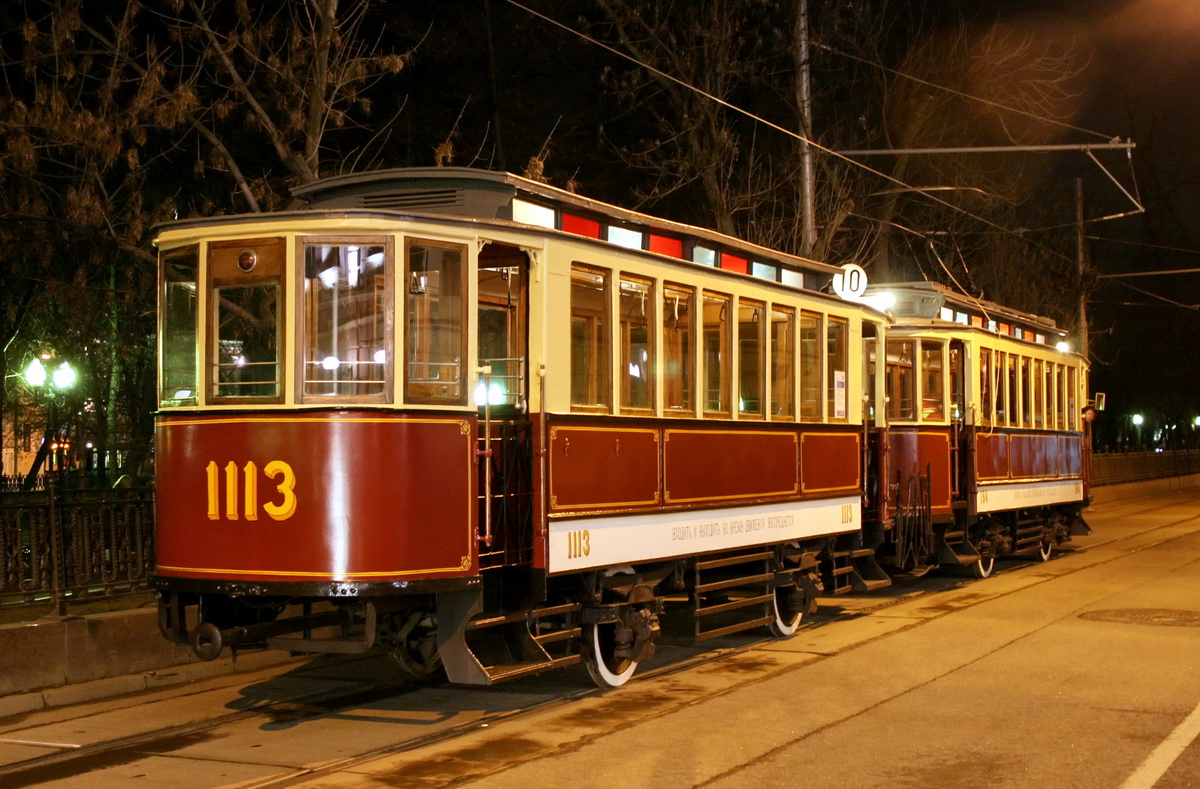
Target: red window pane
pixel 734 263
pixel 580 226
pixel 665 245
pixel 977 320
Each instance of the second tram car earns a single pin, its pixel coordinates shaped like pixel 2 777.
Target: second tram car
pixel 499 428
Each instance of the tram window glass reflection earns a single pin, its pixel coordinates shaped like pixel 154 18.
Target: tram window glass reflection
pixel 1060 396
pixel 958 395
pixel 783 362
pixel 810 366
pixel 836 374
pixel 750 357
pixel 590 387
pixel 436 317
pixel 636 305
pixel 678 316
pixel 247 316
pixel 347 349
pixel 901 383
pixel 716 353
pixel 177 335
pixel 933 394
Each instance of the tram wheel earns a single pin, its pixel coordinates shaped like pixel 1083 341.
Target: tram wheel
pixel 605 668
pixel 787 617
pixel 986 563
pixel 414 644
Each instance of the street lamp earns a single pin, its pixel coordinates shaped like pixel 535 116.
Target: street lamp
pixel 51 387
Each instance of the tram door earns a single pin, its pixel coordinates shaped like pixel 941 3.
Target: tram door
pixel 506 477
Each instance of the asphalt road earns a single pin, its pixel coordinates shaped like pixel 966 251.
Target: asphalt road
pixel 1081 671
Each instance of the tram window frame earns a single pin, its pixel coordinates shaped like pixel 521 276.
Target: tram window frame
pixel 933 381
pixel 678 350
pixel 590 343
pixel 626 330
pixel 901 379
pixel 245 263
pixel 782 375
pixel 179 319
pixel 723 348
pixel 751 358
pixel 955 355
pixel 384 312
pixel 1000 390
pixel 837 360
pixel 811 367
pixel 420 336
pixel 985 386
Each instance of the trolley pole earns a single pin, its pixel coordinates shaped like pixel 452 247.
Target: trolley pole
pixel 1081 249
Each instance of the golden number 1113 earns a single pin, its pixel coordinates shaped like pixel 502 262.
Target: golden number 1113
pixel 245 505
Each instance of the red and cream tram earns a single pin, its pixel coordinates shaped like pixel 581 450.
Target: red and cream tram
pixel 499 428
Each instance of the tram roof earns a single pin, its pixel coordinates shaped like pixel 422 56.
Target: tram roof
pixel 490 194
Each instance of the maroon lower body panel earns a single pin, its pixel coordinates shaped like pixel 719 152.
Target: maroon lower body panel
pixel 597 468
pixel 325 496
pixel 918 451
pixel 1003 455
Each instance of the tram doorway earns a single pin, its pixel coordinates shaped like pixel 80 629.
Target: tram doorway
pixel 501 395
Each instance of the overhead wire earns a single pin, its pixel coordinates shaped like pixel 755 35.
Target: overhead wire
pixel 786 131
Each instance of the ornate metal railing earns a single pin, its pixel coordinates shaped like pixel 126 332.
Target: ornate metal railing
pixel 1109 468
pixel 59 545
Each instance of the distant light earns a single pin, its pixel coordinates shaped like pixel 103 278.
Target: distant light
pixel 380 356
pixel 883 300
pixel 491 395
pixel 239 360
pixel 64 376
pixel 89 445
pixel 1063 346
pixel 183 394
pixel 35 373
pixel 1137 419
pixel 330 362
pixel 1196 421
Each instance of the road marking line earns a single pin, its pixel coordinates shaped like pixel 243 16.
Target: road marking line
pixel 1162 757
pixel 41 744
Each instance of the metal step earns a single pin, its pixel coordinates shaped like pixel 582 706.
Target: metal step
pixel 513 670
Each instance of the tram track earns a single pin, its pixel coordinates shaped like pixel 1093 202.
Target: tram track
pixel 303 707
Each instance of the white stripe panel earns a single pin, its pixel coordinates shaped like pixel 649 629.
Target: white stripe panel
pixel 580 544
pixel 1022 495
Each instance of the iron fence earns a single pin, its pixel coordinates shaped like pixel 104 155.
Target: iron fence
pixel 61 544
pixel 1110 468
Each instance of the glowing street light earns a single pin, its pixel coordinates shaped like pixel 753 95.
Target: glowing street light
pixel 1137 420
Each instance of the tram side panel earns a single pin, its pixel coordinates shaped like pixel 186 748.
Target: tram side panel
pixel 1016 471
pixel 340 498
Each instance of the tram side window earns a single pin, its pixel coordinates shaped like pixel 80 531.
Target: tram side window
pixel 1013 386
pixel 346 301
pixel 678 317
pixel 716 353
pixel 1039 394
pixel 177 333
pixel 933 394
pixel 1061 397
pixel 958 394
pixel 985 385
pixel 1000 377
pixel 436 339
pixel 810 366
pixel 590 387
pixel 750 357
pixel 636 304
pixel 901 383
pixel 1072 390
pixel 247 313
pixel 783 362
pixel 1026 388
pixel 836 384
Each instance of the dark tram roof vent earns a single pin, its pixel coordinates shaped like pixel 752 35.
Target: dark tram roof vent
pixel 413 199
